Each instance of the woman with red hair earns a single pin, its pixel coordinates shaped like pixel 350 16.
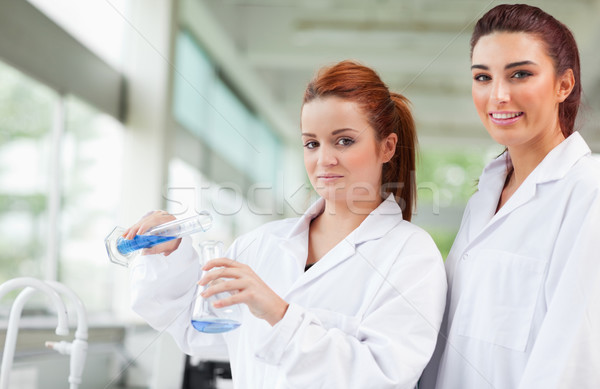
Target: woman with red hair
pixel 523 306
pixel 351 294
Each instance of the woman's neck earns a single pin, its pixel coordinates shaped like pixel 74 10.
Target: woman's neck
pixel 336 222
pixel 347 214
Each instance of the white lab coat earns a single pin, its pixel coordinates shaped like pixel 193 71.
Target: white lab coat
pixel 366 315
pixel 523 305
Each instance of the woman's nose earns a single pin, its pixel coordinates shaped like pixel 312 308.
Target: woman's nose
pixel 500 92
pixel 327 156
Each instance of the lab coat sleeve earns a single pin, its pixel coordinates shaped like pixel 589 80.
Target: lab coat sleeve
pixel 163 290
pixel 566 353
pixel 386 348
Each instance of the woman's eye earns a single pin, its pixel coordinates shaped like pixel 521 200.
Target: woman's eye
pixel 345 141
pixel 521 74
pixel 482 77
pixel 311 144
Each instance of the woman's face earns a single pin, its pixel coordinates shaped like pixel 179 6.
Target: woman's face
pixel 516 90
pixel 343 159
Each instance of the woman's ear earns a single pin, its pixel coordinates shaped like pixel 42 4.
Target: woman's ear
pixel 566 83
pixel 389 147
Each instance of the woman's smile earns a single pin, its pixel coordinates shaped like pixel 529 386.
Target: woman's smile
pixel 504 118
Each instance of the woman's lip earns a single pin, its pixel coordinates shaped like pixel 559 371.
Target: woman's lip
pixel 329 177
pixel 505 117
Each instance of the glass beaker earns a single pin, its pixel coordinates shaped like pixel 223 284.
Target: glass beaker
pixel 122 251
pixel 205 317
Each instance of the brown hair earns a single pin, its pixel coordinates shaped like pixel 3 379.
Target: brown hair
pixel 557 38
pixel 386 112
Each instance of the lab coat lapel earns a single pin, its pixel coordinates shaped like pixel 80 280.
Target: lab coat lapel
pixel 553 167
pixel 521 196
pixel 295 243
pixel 376 225
pixel 341 252
pixel 485 201
pixel 299 251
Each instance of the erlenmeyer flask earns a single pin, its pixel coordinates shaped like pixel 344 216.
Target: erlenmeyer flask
pixel 205 317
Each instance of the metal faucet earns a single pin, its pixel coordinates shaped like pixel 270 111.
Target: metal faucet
pixel 77 349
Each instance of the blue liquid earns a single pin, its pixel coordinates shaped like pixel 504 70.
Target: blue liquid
pixel 213 325
pixel 126 246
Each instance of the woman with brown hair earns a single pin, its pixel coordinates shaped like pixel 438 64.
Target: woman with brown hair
pixel 523 306
pixel 351 294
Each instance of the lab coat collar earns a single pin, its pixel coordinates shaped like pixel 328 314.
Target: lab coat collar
pixel 562 158
pixel 378 223
pixel 303 223
pixel 375 225
pixel 294 242
pixel 553 167
pixel 494 172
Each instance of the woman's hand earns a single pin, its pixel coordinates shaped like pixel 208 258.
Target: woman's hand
pixel 153 219
pixel 245 287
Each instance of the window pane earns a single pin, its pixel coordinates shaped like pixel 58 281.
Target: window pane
pixel 228 133
pixel 92 157
pixel 192 86
pixel 207 107
pixel 26 116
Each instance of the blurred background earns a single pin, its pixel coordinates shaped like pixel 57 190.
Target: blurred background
pixel 111 108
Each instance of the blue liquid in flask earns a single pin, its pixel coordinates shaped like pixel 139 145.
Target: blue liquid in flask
pixel 126 246
pixel 213 325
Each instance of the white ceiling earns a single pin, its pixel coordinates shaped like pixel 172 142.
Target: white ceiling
pixel 419 47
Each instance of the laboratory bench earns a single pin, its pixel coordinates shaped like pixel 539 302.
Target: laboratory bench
pixel 120 356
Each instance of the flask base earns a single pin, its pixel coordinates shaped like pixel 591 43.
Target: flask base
pixel 214 325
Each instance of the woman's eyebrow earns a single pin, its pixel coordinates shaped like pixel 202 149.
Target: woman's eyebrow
pixel 343 130
pixel 333 133
pixel 509 66
pixel 517 64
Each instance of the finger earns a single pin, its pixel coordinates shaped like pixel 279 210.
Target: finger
pixel 157 218
pixel 221 287
pixel 133 231
pixel 140 227
pixel 130 231
pixel 220 262
pixel 217 273
pixel 154 219
pixel 233 299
